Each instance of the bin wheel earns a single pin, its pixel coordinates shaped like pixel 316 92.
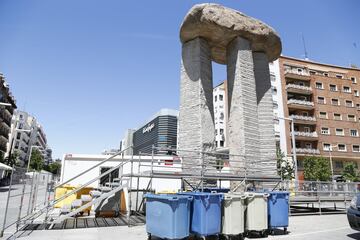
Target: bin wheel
pixel 286 231
pixel 264 233
pixel 149 236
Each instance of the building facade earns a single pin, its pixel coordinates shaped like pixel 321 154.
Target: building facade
pixel 7 107
pixel 159 131
pixel 220 114
pixel 324 102
pixel 26 135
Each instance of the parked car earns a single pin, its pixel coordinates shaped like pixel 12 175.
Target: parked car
pixel 353 213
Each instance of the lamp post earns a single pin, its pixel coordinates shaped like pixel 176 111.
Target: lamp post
pixel 294 147
pixel 331 164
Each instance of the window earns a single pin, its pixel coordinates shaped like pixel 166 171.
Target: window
pixel 221 116
pixel 339 132
pixel 312 72
pixel 305 114
pixel 319 85
pixel 338 164
pixel 335 102
pixel 323 115
pixel 351 118
pixel 221 97
pixel 356 148
pixel 342 147
pixel 353 80
pixel 272 77
pixel 349 103
pixel 306 129
pixel 215 98
pixel 299 70
pixel 356 93
pixel 326 74
pixel 337 116
pixel 321 100
pixel 221 131
pixel 221 143
pixel 325 131
pixel 308 145
pixel 216 131
pixel 18 135
pixel 333 88
pixel 346 89
pixel 354 133
pixel 274 90
pixel 339 76
pixel 358 106
pixel 326 147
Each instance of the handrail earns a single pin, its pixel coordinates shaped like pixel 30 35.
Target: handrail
pixel 96 165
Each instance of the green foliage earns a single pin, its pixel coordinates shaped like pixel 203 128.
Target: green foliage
pixel 284 168
pixel 351 172
pixel 317 169
pixel 36 161
pixel 13 159
pixel 54 168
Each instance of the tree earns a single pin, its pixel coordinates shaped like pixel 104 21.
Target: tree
pixel 351 172
pixel 55 168
pixel 37 160
pixel 284 168
pixel 317 169
pixel 13 159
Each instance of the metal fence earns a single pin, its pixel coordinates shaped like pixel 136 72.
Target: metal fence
pixel 21 195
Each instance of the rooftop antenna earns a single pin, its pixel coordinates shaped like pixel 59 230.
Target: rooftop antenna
pixel 303 40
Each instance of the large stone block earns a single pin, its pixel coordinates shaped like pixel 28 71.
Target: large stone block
pixel 265 114
pixel 243 132
pixel 196 116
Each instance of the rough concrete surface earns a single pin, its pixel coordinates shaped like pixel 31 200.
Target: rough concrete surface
pixel 220 25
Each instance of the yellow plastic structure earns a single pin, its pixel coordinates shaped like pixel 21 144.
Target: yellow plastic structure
pixel 59 192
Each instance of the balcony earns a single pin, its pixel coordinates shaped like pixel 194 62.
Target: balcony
pixel 295 74
pixel 304 119
pixel 311 151
pixel 300 104
pixel 295 88
pixel 305 135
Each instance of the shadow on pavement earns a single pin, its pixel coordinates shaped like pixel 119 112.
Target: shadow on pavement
pixel 354 235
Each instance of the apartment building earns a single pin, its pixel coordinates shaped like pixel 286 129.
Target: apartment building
pixel 27 134
pixel 324 102
pixel 221 110
pixel 7 107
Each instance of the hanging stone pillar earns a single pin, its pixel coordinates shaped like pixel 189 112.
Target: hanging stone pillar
pixel 265 114
pixel 196 117
pixel 243 130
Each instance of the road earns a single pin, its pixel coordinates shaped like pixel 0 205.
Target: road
pixel 325 227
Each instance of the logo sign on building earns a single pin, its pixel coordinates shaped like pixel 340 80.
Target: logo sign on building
pixel 148 128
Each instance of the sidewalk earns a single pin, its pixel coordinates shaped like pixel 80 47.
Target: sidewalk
pixel 327 227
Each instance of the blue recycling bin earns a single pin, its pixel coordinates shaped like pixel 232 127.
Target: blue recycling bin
pixel 278 210
pixel 205 213
pixel 168 215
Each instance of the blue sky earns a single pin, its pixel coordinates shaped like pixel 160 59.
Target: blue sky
pixel 88 69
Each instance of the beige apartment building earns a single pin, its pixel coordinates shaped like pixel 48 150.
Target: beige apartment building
pixel 324 102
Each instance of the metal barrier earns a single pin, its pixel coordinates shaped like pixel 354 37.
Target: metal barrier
pixel 26 192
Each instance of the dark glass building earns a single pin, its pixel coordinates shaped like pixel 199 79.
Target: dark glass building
pixel 160 131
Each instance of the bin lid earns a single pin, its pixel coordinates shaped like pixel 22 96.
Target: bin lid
pixel 169 197
pixel 237 196
pixel 201 194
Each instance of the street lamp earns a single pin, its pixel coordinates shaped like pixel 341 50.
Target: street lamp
pixel 331 164
pixel 294 147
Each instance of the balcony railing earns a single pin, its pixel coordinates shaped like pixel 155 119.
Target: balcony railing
pixel 306 134
pixel 296 71
pixel 304 118
pixel 299 87
pixel 307 151
pixel 300 102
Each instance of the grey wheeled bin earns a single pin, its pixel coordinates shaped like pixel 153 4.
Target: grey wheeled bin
pixel 257 213
pixel 233 219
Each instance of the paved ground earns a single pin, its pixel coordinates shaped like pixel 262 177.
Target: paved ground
pixel 329 227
